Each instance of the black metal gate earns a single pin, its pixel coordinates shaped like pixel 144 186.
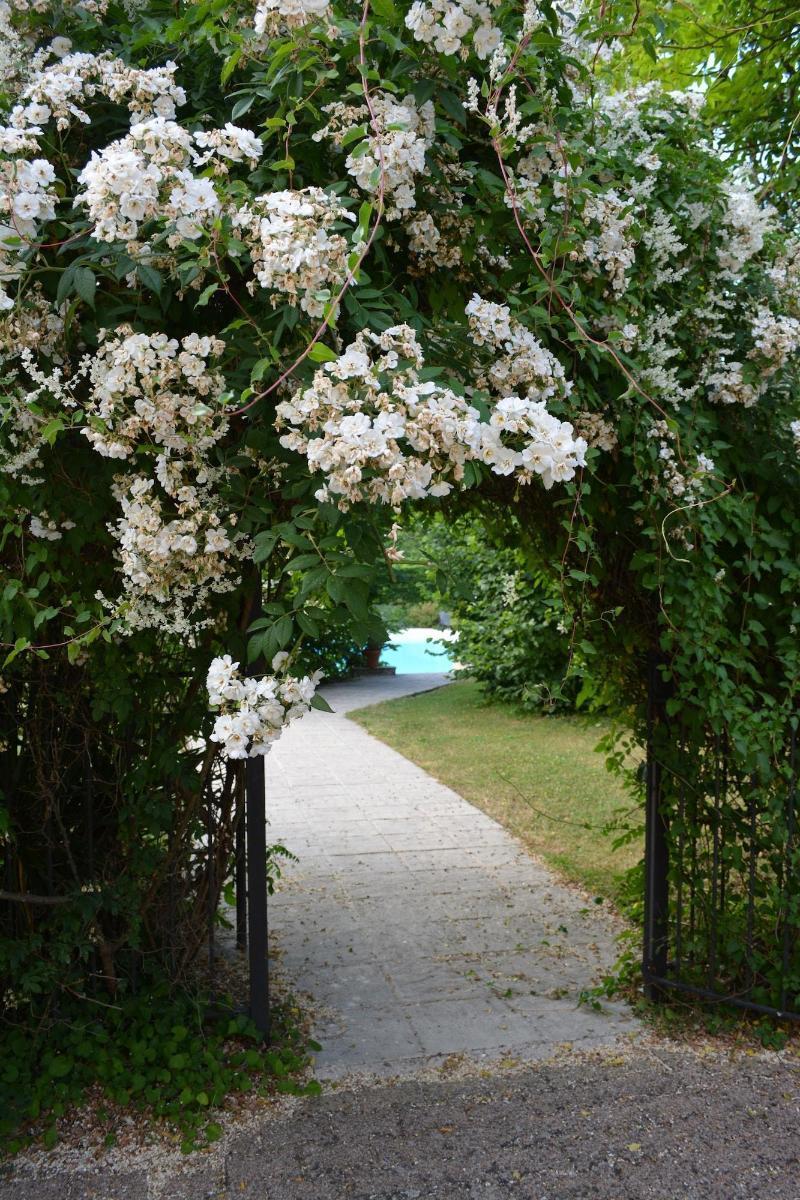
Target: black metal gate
pixel 722 868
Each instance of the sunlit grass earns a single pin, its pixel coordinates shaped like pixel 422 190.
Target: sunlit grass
pixel 540 777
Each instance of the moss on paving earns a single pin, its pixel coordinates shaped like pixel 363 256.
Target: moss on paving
pixel 540 777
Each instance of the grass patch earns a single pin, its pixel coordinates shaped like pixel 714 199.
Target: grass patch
pixel 538 776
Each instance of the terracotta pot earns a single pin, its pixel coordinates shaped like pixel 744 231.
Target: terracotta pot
pixel 372 656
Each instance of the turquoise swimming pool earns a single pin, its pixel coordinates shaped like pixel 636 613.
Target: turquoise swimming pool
pixel 412 655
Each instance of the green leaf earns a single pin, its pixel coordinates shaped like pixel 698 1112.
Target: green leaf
pixel 205 295
pixel 321 704
pixel 242 105
pixel 85 284
pixel 150 278
pixel 65 285
pixel 229 66
pixel 453 107
pixel 321 353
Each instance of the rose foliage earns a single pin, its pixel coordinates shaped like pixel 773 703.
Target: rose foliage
pixel 271 270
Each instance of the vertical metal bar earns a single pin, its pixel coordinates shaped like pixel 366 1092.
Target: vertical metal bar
pixel 681 845
pixel 89 783
pixel 714 925
pixel 787 888
pixel 723 823
pixel 240 863
pixel 656 897
pixel 257 932
pixel 211 906
pixel 751 882
pixel 694 834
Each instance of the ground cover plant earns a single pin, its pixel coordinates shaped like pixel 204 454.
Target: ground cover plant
pixel 268 272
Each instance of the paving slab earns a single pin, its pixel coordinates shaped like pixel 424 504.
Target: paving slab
pixel 418 926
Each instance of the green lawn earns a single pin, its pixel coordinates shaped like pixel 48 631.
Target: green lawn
pixel 532 774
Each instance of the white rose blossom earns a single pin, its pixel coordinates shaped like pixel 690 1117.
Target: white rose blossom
pixel 254 711
pixel 294 252
pixel 377 432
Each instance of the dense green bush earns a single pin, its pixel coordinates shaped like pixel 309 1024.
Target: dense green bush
pixel 512 636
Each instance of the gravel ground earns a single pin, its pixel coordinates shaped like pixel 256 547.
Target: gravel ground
pixel 653 1123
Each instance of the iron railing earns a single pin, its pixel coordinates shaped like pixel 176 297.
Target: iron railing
pixel 722 868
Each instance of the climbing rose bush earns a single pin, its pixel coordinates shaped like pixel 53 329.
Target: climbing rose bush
pixel 269 271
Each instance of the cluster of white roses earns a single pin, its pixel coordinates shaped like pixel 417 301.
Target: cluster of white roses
pixel 293 250
pixel 775 340
pixel 746 223
pixel 255 711
pixel 385 436
pixel 147 175
pixel 63 87
pixel 56 91
pixel 274 17
pixel 172 554
pixel 394 151
pixel 24 405
pixel 174 547
pixel 27 196
pixel 447 25
pixel 613 249
pixel 152 388
pixel 519 360
pixel 597 431
pixel 43 526
pixel 682 480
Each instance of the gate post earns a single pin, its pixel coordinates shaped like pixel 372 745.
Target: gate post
pixel 257 932
pixel 656 854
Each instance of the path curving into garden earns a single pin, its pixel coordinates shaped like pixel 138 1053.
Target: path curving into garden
pixel 418 926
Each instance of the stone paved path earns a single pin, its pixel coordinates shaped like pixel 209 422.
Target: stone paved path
pixel 418 925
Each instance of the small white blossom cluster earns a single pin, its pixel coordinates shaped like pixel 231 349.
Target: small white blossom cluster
pixel 746 222
pixel 154 389
pixel 255 711
pixel 523 439
pixel 15 47
pixel 776 339
pixel 596 430
pixel 147 175
pixel 385 436
pixel 447 25
pixel 293 250
pixel 663 242
pixel 681 482
pixel 523 363
pixel 25 407
pixel 174 547
pixel 59 90
pixel 381 434
pixel 27 196
pixel 174 552
pixel 33 322
pixel 274 17
pixel 437 243
pixel 395 150
pixel 42 526
pixel 613 249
